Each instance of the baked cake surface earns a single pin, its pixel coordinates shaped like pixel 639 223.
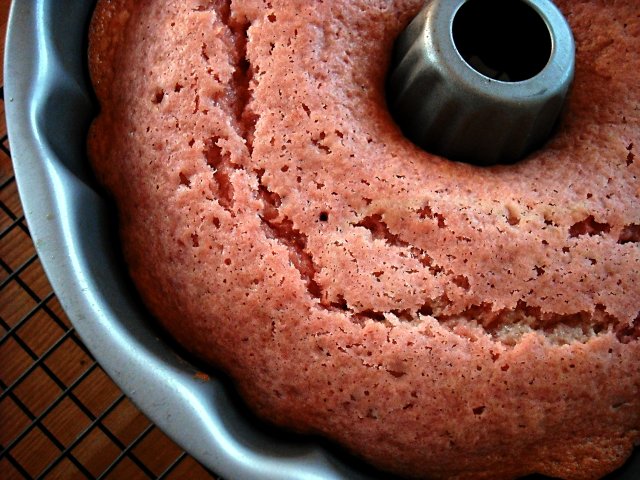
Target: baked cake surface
pixel 438 319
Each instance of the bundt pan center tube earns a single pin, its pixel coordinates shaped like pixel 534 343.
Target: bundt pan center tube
pixel 482 81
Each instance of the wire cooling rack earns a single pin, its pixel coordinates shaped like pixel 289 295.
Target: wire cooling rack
pixel 61 416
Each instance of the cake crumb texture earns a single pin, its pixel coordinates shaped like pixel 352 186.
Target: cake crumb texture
pixel 438 319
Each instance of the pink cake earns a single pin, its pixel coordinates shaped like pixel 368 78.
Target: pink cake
pixel 438 319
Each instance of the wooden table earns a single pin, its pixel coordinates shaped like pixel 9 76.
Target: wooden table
pixel 60 414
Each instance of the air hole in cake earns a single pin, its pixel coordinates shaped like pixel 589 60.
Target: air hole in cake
pixel 158 97
pixel 371 315
pixel 324 217
pixel 426 310
pixel 630 332
pixel 320 145
pixel 427 212
pixel 589 226
pixel 504 40
pixel 462 282
pixel 479 410
pixel 340 303
pixel 404 315
pixel 196 106
pixel 184 180
pixel 630 234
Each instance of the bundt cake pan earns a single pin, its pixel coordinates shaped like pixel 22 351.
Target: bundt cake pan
pixel 49 107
